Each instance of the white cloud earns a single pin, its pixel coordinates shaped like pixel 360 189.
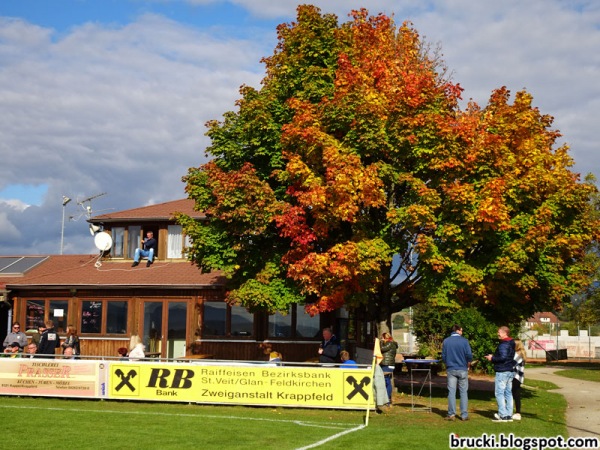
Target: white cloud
pixel 121 109
pixel 15 204
pixel 9 231
pixel 117 110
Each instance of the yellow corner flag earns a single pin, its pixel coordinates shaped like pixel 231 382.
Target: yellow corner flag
pixel 377 351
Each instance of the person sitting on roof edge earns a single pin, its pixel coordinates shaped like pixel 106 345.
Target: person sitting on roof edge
pixel 148 250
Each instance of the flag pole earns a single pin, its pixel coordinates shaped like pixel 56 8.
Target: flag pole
pixel 371 395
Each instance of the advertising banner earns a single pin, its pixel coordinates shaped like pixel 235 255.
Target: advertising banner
pixel 242 384
pixel 52 377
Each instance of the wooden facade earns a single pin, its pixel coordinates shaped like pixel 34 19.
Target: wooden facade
pixel 176 309
pixel 148 314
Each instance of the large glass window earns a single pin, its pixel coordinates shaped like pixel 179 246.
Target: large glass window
pixel 134 234
pixel 242 322
pixel 39 311
pixel 35 314
pixel 91 317
pixel 58 314
pixel 118 236
pixel 116 317
pixel 220 319
pixel 307 326
pixel 296 324
pixel 104 316
pixel 175 241
pixel 280 326
pixel 215 318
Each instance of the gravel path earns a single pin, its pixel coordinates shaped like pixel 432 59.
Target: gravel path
pixel 583 398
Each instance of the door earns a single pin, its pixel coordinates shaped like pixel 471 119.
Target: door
pixel 165 328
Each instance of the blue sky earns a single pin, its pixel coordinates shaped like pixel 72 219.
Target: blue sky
pixel 112 95
pixel 61 15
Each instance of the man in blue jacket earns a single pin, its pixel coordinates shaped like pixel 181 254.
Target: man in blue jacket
pixel 457 355
pixel 504 363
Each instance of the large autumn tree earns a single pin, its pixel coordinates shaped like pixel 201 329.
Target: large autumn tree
pixel 352 177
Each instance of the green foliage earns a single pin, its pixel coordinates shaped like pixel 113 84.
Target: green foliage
pixel 541 328
pixel 482 336
pixel 431 325
pixel 352 177
pixel 398 321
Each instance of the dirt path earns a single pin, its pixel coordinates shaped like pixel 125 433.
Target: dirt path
pixel 583 398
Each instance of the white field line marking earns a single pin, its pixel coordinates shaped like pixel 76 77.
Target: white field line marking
pixel 333 426
pixel 331 438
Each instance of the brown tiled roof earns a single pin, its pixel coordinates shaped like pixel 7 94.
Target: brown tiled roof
pixel 60 271
pixel 161 211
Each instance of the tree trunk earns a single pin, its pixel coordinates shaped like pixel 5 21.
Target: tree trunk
pixel 384 317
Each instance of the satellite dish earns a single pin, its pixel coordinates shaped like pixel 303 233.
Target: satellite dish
pixel 103 241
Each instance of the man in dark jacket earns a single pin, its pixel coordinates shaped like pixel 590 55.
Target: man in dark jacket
pixel 49 341
pixel 329 350
pixel 504 363
pixel 457 355
pixel 148 250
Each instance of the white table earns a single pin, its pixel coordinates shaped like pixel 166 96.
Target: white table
pixel 420 366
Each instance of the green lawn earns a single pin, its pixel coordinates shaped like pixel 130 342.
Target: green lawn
pixel 588 374
pixel 84 424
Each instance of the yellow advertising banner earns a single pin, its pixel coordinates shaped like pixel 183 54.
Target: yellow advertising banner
pixel 242 384
pixel 51 377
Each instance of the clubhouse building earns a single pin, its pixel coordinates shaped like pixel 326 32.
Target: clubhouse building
pixel 178 310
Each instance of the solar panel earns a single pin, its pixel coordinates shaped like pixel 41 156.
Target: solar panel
pixel 6 261
pixel 10 265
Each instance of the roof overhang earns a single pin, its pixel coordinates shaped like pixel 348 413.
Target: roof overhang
pixel 58 287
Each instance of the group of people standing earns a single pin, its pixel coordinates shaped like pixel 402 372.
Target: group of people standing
pixel 509 366
pixel 43 344
pixel 330 353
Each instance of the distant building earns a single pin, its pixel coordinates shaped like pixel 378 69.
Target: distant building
pixel 542 318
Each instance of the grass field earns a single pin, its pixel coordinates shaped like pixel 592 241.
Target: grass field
pixel 587 374
pixel 89 424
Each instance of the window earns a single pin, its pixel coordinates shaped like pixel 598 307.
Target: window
pixel 103 316
pixel 116 318
pixel 307 326
pixel 35 314
pixel 91 317
pixel 39 311
pixel 296 324
pixel 215 318
pixel 118 235
pixel 133 241
pixel 280 325
pixel 242 322
pixel 174 241
pixel 220 319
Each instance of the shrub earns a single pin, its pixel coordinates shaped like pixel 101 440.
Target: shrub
pixel 432 325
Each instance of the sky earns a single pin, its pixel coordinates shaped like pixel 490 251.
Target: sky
pixel 109 98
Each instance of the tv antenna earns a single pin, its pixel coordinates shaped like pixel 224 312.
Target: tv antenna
pixel 88 208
